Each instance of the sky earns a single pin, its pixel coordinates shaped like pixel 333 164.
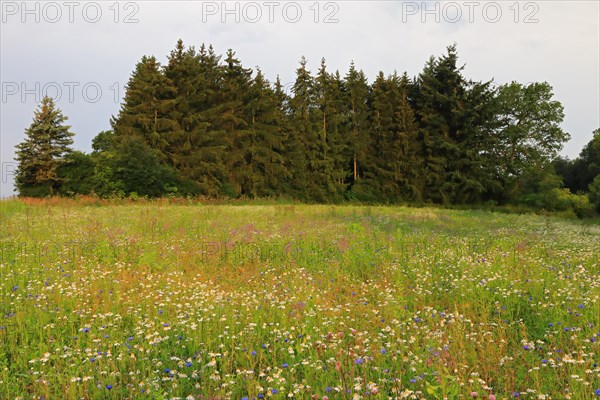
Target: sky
pixel 82 53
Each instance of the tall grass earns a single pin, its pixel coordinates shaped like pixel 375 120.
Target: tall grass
pixel 156 300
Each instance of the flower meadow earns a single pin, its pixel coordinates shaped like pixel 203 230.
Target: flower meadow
pixel 154 300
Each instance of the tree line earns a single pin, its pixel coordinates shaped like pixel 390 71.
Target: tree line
pixel 203 124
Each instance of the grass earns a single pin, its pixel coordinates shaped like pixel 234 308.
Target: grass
pixel 155 300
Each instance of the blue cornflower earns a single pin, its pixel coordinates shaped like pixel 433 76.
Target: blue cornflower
pixel 358 361
pixel 284 365
pixel 109 387
pixel 383 351
pixel 167 370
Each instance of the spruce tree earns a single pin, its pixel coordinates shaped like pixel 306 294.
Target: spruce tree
pixel 232 122
pixel 47 144
pixel 445 116
pixel 310 174
pixel 147 110
pixel 404 148
pixel 383 104
pixel 330 97
pixel 357 121
pixel 266 121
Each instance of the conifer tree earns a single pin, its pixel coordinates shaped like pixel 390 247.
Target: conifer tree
pixel 383 104
pixel 47 144
pixel 233 125
pixel 444 117
pixel 357 120
pixel 309 183
pixel 148 108
pixel 265 163
pixel 329 94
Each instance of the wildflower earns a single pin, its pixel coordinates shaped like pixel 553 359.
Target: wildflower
pixel 474 395
pixel 109 387
pixel 492 397
pixel 358 361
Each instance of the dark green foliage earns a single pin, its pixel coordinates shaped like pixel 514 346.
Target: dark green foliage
pixel 265 161
pixel 578 174
pixel 76 174
pixel 138 169
pixel 594 195
pixel 357 122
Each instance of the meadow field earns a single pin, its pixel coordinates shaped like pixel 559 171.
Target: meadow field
pixel 154 300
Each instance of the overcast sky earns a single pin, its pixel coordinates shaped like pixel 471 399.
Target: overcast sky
pixel 86 51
